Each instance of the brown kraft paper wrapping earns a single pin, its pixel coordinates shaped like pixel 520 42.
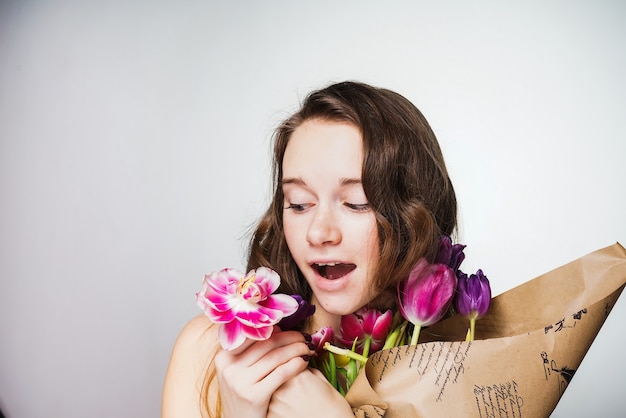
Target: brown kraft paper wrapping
pixel 526 351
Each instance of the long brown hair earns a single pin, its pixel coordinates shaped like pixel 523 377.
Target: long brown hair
pixel 404 178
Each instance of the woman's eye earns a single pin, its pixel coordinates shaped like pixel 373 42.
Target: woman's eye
pixel 358 207
pixel 297 207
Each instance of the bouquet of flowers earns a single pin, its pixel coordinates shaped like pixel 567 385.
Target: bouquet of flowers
pixel 429 293
pixel 378 364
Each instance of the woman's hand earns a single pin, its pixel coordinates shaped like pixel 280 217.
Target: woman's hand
pixel 249 375
pixel 308 395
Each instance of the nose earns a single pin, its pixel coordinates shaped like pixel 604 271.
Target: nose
pixel 324 228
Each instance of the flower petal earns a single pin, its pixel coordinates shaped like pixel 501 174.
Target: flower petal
pixel 260 317
pixel 224 279
pixel 382 327
pixel 351 327
pixel 444 253
pixel 368 319
pixel 473 296
pixel 230 335
pixel 267 279
pixel 427 293
pixel 244 304
pixel 322 336
pixel 257 333
pixel 457 256
pixel 284 303
pixel 216 316
pixel 304 310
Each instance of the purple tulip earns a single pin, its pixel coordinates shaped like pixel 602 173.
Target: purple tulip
pixel 426 294
pixel 305 310
pixel 448 254
pixel 473 297
pixel 369 327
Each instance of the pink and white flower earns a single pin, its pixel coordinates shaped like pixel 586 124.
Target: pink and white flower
pixel 244 305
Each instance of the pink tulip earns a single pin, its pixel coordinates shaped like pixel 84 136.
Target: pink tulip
pixel 426 294
pixel 369 327
pixel 244 304
pixel 321 337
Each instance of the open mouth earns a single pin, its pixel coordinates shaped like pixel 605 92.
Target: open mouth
pixel 332 271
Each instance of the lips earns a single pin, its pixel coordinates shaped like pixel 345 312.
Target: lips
pixel 333 270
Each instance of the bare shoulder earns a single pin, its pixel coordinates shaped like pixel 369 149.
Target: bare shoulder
pixel 198 333
pixel 193 351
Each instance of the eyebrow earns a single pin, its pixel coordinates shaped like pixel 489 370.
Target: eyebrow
pixel 298 181
pixel 293 180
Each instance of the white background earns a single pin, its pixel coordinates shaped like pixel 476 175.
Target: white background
pixel 134 154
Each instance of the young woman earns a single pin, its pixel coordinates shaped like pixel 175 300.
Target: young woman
pixel 361 194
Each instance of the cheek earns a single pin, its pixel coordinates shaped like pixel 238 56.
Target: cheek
pixel 373 248
pixel 291 231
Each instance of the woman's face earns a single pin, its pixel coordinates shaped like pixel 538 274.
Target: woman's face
pixel 329 227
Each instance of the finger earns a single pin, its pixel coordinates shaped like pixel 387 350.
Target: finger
pixel 318 373
pixel 281 374
pixel 279 356
pixel 281 363
pixel 260 349
pixel 249 342
pixel 243 347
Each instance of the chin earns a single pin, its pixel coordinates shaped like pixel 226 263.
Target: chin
pixel 341 303
pixel 341 311
pixel 339 308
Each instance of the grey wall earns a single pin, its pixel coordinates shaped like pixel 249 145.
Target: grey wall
pixel 134 145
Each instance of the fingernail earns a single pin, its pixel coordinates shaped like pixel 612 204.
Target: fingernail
pixel 307 337
pixel 311 346
pixel 306 358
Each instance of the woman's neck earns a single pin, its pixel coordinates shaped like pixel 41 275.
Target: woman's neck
pixel 321 318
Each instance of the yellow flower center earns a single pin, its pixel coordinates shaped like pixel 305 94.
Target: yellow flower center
pixel 245 283
pixel 248 289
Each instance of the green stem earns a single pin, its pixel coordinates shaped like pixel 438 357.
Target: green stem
pixel 391 339
pixel 472 328
pixel 402 337
pixel 366 346
pixel 352 371
pixel 333 371
pixel 416 334
pixel 344 352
